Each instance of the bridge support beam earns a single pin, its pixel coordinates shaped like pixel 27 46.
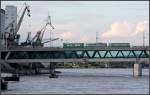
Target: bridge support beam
pixel 137 70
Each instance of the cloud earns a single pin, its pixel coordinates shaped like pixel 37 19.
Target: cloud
pixel 125 29
pixel 142 26
pixel 119 29
pixel 127 32
pixel 76 28
pixel 66 35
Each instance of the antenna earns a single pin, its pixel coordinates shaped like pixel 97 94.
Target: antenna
pixel 96 37
pixel 143 38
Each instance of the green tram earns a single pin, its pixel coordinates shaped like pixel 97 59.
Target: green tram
pixel 86 45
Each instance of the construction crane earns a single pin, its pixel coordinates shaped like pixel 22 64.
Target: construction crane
pixel 20 21
pixel 14 37
pixel 37 39
pixel 22 16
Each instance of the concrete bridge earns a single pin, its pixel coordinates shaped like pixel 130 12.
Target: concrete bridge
pixel 54 55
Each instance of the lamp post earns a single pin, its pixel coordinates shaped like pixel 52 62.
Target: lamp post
pixel 62 42
pixel 96 37
pixel 6 38
pixel 143 38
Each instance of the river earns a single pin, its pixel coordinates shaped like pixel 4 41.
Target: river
pixel 83 81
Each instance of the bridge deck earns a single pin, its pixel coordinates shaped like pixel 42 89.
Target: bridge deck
pixel 76 60
pixel 72 54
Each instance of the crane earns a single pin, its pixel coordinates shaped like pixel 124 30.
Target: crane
pixel 37 39
pixel 22 16
pixel 20 21
pixel 51 40
pixel 14 37
pixel 50 22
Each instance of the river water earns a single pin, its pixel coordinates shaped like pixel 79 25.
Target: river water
pixel 83 81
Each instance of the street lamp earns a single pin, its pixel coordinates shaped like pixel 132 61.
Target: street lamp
pixel 143 38
pixel 6 38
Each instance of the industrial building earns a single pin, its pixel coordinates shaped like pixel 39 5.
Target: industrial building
pixel 2 43
pixel 10 16
pixel 8 22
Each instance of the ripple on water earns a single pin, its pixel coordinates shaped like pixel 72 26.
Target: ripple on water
pixel 83 81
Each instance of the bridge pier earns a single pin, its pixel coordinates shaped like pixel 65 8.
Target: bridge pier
pixel 30 69
pixel 137 70
pixel 52 70
pixel 37 70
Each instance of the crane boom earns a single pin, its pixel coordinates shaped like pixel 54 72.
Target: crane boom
pixel 42 31
pixel 21 18
pixel 51 40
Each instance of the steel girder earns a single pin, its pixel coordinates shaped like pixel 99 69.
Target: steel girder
pixel 76 54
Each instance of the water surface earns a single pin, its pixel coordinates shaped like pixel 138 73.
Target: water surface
pixel 83 81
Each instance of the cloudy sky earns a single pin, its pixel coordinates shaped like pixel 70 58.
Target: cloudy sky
pixel 78 21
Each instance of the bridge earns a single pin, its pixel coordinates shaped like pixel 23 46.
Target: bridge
pixel 54 55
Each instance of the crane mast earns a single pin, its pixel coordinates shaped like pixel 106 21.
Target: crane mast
pixel 42 32
pixel 50 22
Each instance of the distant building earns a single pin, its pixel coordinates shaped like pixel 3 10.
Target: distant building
pixel 10 15
pixel 2 20
pixel 2 28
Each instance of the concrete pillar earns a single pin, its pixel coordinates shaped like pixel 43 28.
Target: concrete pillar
pixel 137 70
pixel 52 70
pixel 52 67
pixel 30 69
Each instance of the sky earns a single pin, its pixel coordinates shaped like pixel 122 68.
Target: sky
pixel 82 21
